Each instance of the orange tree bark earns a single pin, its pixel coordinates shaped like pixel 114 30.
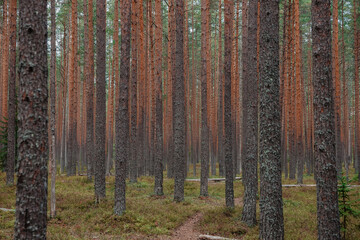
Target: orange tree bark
pixel 205 5
pixel 336 79
pixel 325 162
pixel 298 97
pixel 122 114
pixel 71 143
pixel 357 94
pixel 5 61
pixel 90 95
pixel 31 193
pixel 52 106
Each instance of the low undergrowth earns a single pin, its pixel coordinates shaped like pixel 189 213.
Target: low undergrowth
pixel 150 217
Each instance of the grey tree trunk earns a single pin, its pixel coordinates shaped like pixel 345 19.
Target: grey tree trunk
pixel 11 149
pixel 205 4
pixel 100 100
pixel 31 191
pixel 133 169
pixel 179 106
pixel 250 123
pixel 325 160
pixel 122 113
pixel 228 32
pixel 158 189
pixel 271 206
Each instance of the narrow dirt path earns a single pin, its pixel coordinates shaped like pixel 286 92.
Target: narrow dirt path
pixel 187 231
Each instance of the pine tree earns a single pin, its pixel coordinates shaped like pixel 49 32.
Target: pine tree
pixel 228 29
pixel 31 193
pixel 325 162
pixel 271 207
pixel 100 100
pixel 122 114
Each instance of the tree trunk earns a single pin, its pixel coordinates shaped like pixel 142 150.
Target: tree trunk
pixel 122 113
pixel 271 207
pixel 325 162
pixel 90 96
pixel 100 100
pixel 31 194
pixel 336 79
pixel 11 145
pixel 228 30
pixel 52 108
pixel 133 168
pixel 179 105
pixel 158 188
pixel 250 123
pixel 205 5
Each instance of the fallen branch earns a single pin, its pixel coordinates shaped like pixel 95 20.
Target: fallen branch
pixel 7 210
pixel 209 237
pixel 210 179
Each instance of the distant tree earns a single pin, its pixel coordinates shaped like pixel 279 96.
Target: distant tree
pixel 122 113
pixel 179 106
pixel 250 123
pixel 228 30
pixel 89 73
pixel 325 161
pixel 337 93
pixel 205 11
pixel 71 141
pixel 100 100
pixel 158 188
pixel 31 194
pixel 357 91
pixel 271 206
pixel 52 108
pixel 11 144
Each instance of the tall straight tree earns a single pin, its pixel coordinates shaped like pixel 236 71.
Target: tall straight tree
pixel 325 162
pixel 71 143
pixel 122 113
pixel 31 192
pixel 250 123
pixel 179 105
pixel 158 188
pixel 100 100
pixel 271 206
pixel 357 93
pixel 133 93
pixel 52 108
pixel 205 10
pixel 10 161
pixel 89 73
pixel 228 31
pixel 336 79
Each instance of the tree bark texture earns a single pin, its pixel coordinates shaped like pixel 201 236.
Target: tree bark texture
pixel 31 193
pixel 100 100
pixel 325 162
pixel 250 123
pixel 271 205
pixel 179 105
pixel 122 113
pixel 228 31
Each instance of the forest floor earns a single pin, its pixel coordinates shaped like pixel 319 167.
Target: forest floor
pixel 151 217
